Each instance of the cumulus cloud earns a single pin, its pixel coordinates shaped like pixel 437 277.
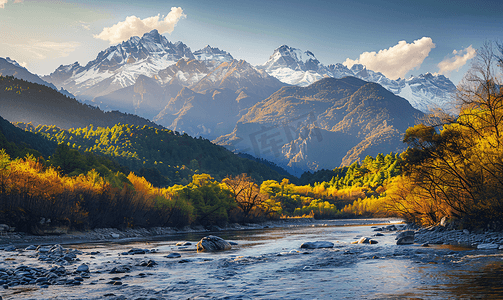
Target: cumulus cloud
pixel 461 57
pixel 134 26
pixel 395 61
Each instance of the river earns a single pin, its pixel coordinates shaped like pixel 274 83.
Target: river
pixel 269 264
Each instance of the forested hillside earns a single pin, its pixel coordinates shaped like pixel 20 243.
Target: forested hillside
pixel 162 156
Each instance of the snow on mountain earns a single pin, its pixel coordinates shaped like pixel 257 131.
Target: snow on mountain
pixel 424 92
pixel 292 66
pixel 119 66
pixel 15 63
pixel 212 54
pixel 185 72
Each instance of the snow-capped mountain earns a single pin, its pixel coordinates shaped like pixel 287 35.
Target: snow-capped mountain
pixel 212 54
pixel 292 66
pixel 424 92
pixel 119 66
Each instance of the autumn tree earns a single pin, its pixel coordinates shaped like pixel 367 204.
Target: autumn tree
pixel 455 164
pixel 246 193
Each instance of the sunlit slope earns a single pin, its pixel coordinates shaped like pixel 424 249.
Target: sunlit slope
pixel 330 123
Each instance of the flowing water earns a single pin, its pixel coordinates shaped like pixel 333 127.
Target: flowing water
pixel 269 264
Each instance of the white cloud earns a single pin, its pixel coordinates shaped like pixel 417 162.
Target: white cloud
pixel 85 25
pixel 3 2
pixel 41 50
pixel 134 26
pixel 395 61
pixel 461 57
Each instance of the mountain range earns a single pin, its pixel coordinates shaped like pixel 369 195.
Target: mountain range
pixel 208 93
pixel 424 92
pixel 155 57
pixel 332 122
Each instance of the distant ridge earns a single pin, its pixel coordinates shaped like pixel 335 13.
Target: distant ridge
pixel 22 101
pixel 330 123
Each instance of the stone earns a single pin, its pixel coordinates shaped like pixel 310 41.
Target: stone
pixel 466 231
pixel 10 248
pixel 489 246
pixel 31 247
pixel 150 263
pixel 443 222
pixel 183 244
pixel 365 240
pixel 213 243
pixel 115 235
pixel 317 245
pixel 425 245
pixel 500 247
pixel 378 234
pixel 405 238
pixel 378 229
pixel 137 251
pixel 391 228
pixel 44 249
pixel 121 269
pixel 83 268
pixel 174 255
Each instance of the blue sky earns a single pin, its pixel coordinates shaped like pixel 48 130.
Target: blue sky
pixel 45 34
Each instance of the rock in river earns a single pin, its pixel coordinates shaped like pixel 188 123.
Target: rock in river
pixel 365 240
pixel 488 246
pixel 213 243
pixel 405 238
pixel 317 245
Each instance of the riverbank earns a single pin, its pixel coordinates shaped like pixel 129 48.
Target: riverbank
pixel 103 235
pixel 438 235
pixel 433 235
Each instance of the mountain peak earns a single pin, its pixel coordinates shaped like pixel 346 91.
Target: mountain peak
pixel 11 61
pixel 209 53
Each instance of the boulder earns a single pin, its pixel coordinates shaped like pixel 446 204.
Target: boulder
pixel 213 243
pixel 317 245
pixel 405 238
